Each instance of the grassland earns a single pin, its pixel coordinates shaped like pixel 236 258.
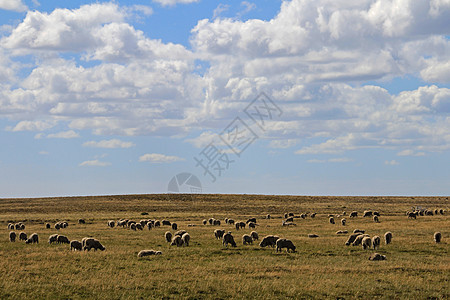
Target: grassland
pixel 416 267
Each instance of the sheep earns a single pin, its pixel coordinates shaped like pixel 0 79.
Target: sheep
pixel 166 223
pixel 291 214
pixel 143 223
pixel 331 219
pixel 143 253
pixel 303 216
pixel 93 243
pixel 177 240
pixel 111 223
pixel 47 225
pixel 216 223
pixel 34 238
pixel 53 238
pixel 81 221
pixel 228 239
pixel 359 231
pixel 186 238
pixel 180 232
pixel 354 214
pixel 269 240
pixel 376 241
pixel 122 223
pixel 12 236
pixel 10 226
pixel 253 220
pixel 388 237
pixel 352 238
pixel 241 224
pixel 288 223
pixel 291 219
pixel 247 239
pixel 312 235
pixel 23 236
pixel 376 213
pixel 358 239
pixel 231 221
pixel 17 226
pixel 412 215
pixel 441 211
pixel 62 239
pixel 57 226
pixel 168 236
pixel 211 221
pixel 174 226
pixel 343 221
pixel 437 237
pixel 366 243
pixel 76 245
pixel 268 217
pixel 436 211
pixel 376 219
pixel 254 235
pixel 139 226
pixel 157 224
pixel 377 256
pixel 218 233
pixel 341 232
pixel 133 226
pixel 237 226
pixel 285 243
pixel 204 222
pixel 149 225
pixel 367 213
pixel 251 225
pixel 313 215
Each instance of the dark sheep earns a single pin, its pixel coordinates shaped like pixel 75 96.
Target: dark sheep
pixel 166 223
pixel 62 239
pixel 388 237
pixel 285 243
pixel 81 221
pixel 174 226
pixel 377 256
pixel 23 236
pixel 218 233
pixel 437 237
pixel 228 239
pixel 76 245
pixel 12 236
pixel 91 243
pixel 269 240
pixel 353 214
pixel 33 239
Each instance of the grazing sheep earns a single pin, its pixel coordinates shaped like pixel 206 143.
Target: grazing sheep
pixel 251 225
pixel 376 213
pixel 57 226
pixel 76 245
pixel 143 253
pixel 218 233
pixel 291 214
pixel 312 235
pixel 17 226
pixel 388 237
pixel 285 243
pixel 139 226
pixel 204 222
pixel 376 219
pixel 331 220
pixel 253 220
pixel 228 239
pixel 242 224
pixel 93 243
pixel 23 236
pixel 377 256
pixel 122 223
pixel 441 211
pixel 216 222
pixel 353 214
pixel 288 223
pixel 429 213
pixel 53 238
pixel 367 213
pixel 47 225
pixel 168 236
pixel 133 226
pixel 359 231
pixel 186 238
pixel 343 221
pixel 62 239
pixel 341 232
pixel 226 220
pixel 157 224
pixel 436 211
pixel 291 219
pixel 366 243
pixel 211 221
pixel 358 240
pixel 174 226
pixel 437 237
pixel 352 238
pixel 10 226
pixel 12 236
pixel 303 216
pixel 166 223
pixel 33 239
pixel 143 223
pixel 313 215
pixel 247 239
pixel 269 240
pixel 81 221
pixel 376 241
pixel 268 217
pixel 231 221
pixel 150 225
pixel 412 215
pixel 111 223
pixel 254 235
pixel 177 240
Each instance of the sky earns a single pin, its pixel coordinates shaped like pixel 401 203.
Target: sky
pixel 325 97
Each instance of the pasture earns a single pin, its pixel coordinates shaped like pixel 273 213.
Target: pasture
pixel 323 267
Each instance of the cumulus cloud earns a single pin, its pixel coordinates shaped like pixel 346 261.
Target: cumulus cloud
pixel 94 163
pixel 159 158
pixel 174 2
pixel 14 5
pixel 70 134
pixel 111 144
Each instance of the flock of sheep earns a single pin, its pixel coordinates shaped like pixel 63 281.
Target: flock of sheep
pixel 182 237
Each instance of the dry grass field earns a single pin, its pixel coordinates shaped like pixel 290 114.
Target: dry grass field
pixel 322 268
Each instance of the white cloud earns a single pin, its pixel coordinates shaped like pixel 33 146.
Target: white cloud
pixel 283 144
pixel 70 134
pixel 14 5
pixel 159 158
pixel 33 126
pixel 331 160
pixel 111 144
pixel 409 152
pixel 174 2
pixel 94 163
pixel 391 162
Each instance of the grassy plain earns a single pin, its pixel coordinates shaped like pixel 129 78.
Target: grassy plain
pixel 416 267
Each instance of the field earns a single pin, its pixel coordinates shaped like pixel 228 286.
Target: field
pixel 323 267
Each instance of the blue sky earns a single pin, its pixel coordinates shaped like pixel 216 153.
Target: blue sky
pixel 118 97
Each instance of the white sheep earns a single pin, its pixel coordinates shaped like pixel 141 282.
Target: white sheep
pixel 376 241
pixel 34 238
pixel 358 239
pixel 186 238
pixel 366 242
pixel 254 235
pixel 177 241
pixel 143 253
